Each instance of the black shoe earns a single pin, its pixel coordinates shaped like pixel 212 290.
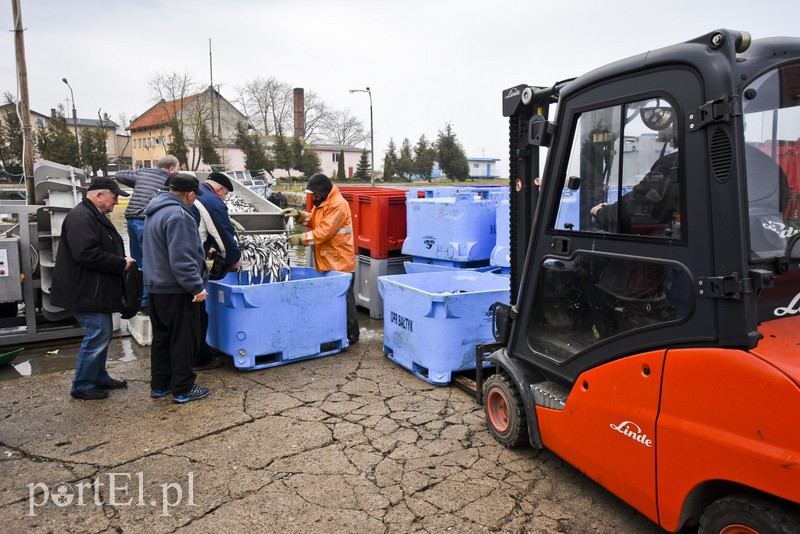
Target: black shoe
pixel 144 310
pixel 91 394
pixel 213 363
pixel 113 384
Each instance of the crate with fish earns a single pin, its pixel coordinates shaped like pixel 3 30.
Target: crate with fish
pixel 264 324
pixel 432 322
pixel 459 228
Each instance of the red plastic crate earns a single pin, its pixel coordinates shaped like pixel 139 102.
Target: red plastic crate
pixel 379 219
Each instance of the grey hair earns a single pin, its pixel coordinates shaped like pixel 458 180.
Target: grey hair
pixel 168 161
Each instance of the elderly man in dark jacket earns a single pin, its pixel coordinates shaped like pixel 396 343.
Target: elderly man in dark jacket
pixel 146 182
pixel 88 280
pixel 174 273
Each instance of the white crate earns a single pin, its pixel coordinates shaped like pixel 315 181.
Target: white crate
pixel 140 328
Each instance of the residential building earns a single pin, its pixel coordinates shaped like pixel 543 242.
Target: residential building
pixel 118 147
pixel 151 132
pixel 329 158
pixel 483 167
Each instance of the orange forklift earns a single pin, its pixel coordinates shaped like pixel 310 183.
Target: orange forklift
pixel 652 339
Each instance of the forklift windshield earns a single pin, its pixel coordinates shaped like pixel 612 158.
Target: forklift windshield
pixel 771 105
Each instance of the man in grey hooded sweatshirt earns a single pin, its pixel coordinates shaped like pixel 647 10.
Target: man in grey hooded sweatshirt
pixel 175 275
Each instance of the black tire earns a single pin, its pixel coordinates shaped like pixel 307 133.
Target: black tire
pixel 750 514
pixel 505 414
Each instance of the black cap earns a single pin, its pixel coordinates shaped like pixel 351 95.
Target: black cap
pixel 319 184
pixel 107 183
pixel 221 179
pixel 180 181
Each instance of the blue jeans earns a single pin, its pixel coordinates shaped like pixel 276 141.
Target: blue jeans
pixel 91 368
pixel 136 238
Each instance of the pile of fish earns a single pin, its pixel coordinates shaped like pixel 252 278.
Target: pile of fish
pixel 265 257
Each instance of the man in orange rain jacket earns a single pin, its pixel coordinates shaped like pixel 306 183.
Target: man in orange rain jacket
pixel 330 231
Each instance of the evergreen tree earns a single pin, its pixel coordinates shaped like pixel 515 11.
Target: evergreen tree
pixel 309 163
pixel 424 157
pixel 93 151
pixel 363 169
pixel 340 172
pixel 255 157
pixel 177 147
pixel 297 153
pixel 405 163
pixel 450 155
pixel 11 142
pixel 56 142
pixel 390 161
pixel 208 147
pixel 283 154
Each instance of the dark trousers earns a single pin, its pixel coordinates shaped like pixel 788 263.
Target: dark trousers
pixel 205 354
pixel 176 340
pixel 352 314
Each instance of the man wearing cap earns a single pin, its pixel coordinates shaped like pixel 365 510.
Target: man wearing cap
pixel 330 231
pixel 174 275
pixel 217 234
pixel 146 182
pixel 87 279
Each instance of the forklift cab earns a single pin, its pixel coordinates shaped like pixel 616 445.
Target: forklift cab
pixel 659 276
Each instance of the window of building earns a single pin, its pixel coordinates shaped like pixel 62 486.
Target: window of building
pixel 147 164
pixel 40 122
pixel 335 157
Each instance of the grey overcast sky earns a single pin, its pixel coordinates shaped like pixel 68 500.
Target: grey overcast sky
pixel 427 62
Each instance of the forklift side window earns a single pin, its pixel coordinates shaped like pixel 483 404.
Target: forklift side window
pixel 594 297
pixel 771 106
pixel 627 160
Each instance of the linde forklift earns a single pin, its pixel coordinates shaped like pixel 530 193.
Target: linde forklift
pixel 653 335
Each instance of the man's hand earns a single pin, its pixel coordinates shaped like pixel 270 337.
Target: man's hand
pixel 235 266
pixel 128 263
pixel 295 239
pixel 597 208
pixel 290 212
pixel 200 297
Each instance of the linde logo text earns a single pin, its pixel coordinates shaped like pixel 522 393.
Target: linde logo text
pixel 121 489
pixel 791 309
pixel 633 431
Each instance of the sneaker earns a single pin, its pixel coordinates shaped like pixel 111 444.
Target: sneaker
pixel 113 384
pixel 196 393
pixel 158 393
pixel 89 394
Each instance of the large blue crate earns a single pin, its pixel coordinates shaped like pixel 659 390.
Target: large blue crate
pixel 501 253
pixel 432 322
pixel 459 228
pixel 414 267
pixel 264 325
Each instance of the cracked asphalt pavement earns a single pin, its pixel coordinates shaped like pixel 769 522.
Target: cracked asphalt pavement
pixel 343 443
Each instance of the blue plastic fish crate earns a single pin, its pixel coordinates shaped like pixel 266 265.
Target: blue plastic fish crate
pixel 459 228
pixel 501 253
pixel 265 325
pixel 432 322
pixel 413 267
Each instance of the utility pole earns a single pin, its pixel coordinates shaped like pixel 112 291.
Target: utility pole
pixel 211 86
pixel 24 102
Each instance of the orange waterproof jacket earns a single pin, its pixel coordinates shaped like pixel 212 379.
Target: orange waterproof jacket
pixel 330 230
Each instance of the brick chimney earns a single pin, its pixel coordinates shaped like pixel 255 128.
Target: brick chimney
pixel 299 113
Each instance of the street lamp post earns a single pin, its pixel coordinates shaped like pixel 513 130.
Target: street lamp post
pixel 371 134
pixel 74 113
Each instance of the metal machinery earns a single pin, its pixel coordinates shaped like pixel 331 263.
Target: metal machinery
pixel 29 237
pixel 651 340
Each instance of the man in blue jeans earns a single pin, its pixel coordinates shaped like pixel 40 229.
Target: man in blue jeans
pixel 146 182
pixel 87 279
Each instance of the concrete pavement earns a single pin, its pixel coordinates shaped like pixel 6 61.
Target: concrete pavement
pixel 344 443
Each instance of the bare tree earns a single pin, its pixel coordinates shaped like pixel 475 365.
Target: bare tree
pixel 342 128
pixel 315 114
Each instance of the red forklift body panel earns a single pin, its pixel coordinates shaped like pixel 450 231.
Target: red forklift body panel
pixel 781 345
pixel 726 415
pixel 607 427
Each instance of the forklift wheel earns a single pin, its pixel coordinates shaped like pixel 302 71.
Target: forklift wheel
pixel 745 514
pixel 505 415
